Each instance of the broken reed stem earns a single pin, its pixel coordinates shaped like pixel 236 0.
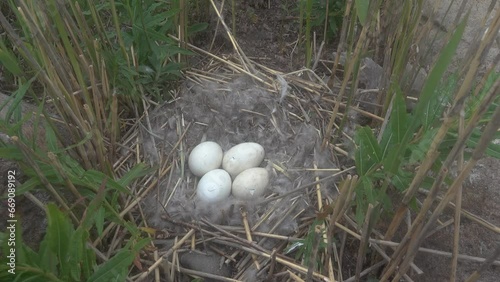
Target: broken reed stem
pixel 272 266
pixel 229 63
pixel 243 58
pixel 360 45
pixel 340 46
pixel 342 202
pixel 458 204
pixel 294 276
pixel 363 244
pixel 249 235
pixel 165 256
pixel 265 254
pixel 366 271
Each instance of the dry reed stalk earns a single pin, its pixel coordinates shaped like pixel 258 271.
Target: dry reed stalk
pixel 458 204
pixel 360 47
pixel 363 244
pixel 249 235
pixel 243 58
pixel 294 276
pixel 342 42
pixel 279 259
pixel 227 62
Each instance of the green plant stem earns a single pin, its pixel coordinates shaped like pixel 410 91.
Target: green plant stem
pixel 309 4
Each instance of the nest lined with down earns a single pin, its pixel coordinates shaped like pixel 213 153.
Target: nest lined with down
pixel 235 240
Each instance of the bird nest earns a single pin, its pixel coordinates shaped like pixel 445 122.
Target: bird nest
pixel 229 102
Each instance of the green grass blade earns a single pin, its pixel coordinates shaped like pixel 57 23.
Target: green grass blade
pixel 397 124
pixel 137 171
pixel 368 152
pixel 95 178
pixel 9 61
pixel 362 10
pixel 433 80
pixel 59 232
pixel 17 98
pixel 114 269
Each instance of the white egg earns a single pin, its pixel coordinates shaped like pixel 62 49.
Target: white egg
pixel 214 186
pixel 241 157
pixel 205 157
pixel 250 184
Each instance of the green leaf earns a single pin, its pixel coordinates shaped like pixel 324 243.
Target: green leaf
pixel 137 171
pixel 92 209
pixel 51 138
pixel 9 61
pixel 437 72
pixel 11 152
pixel 99 220
pixel 28 185
pixel 419 150
pixel 95 178
pixel 197 28
pixel 114 269
pixel 397 125
pixel 362 9
pixel 493 150
pixel 79 239
pixel 368 152
pixel 17 98
pixel 59 233
pixel 402 180
pixel 46 259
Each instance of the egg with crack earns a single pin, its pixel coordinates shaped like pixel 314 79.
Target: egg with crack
pixel 205 157
pixel 214 186
pixel 250 184
pixel 241 157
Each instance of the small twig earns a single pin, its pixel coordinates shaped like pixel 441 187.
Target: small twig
pixel 272 266
pixel 248 234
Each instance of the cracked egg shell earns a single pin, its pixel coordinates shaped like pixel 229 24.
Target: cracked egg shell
pixel 250 184
pixel 241 157
pixel 205 157
pixel 214 186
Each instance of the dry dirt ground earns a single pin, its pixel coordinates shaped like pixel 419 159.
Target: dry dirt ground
pixel 268 34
